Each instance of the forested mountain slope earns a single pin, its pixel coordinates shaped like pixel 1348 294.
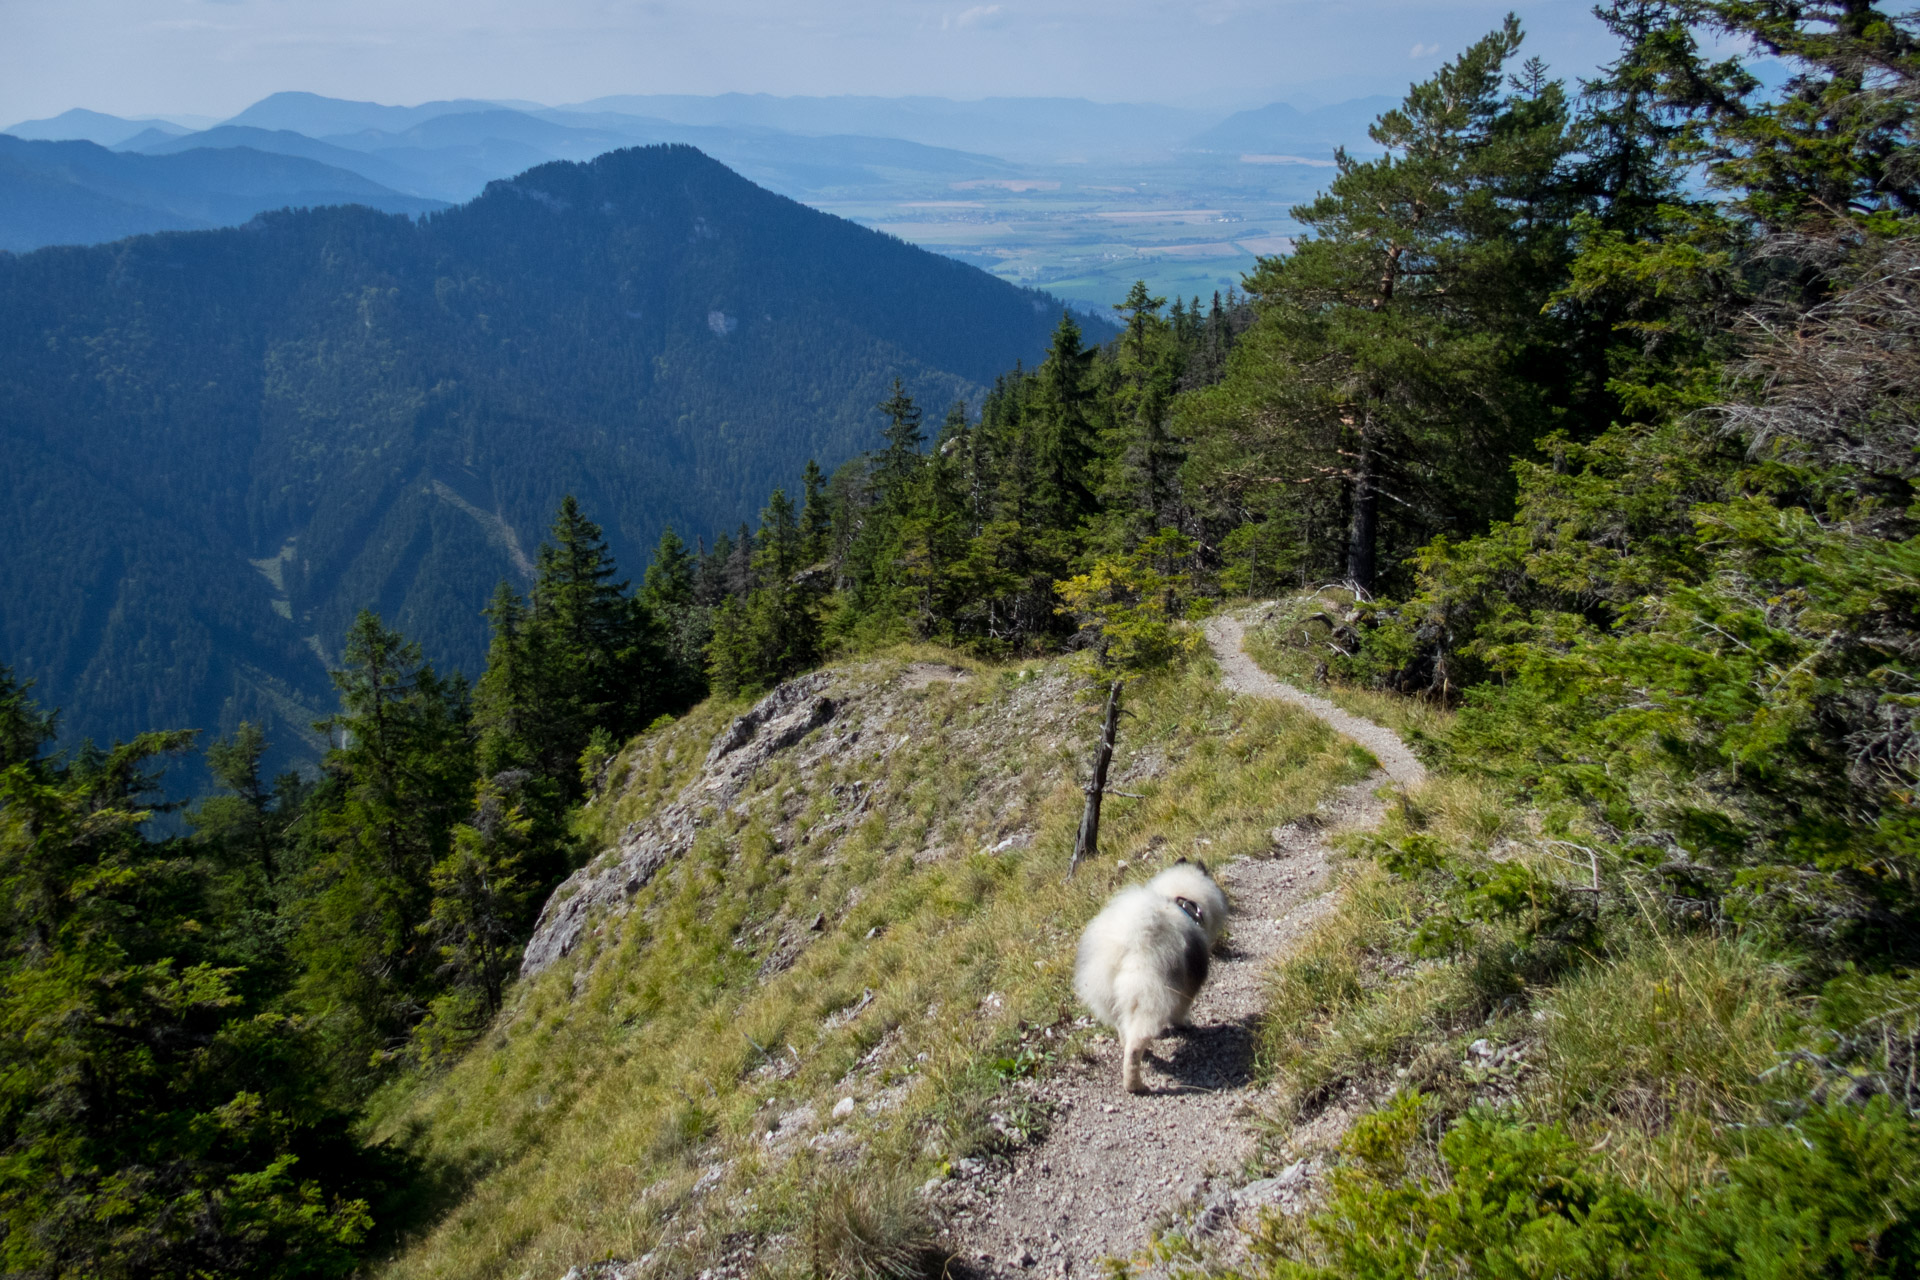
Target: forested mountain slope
pixel 79 193
pixel 383 413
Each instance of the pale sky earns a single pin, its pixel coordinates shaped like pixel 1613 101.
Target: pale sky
pixel 214 57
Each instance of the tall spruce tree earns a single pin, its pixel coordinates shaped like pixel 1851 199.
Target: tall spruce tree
pixel 898 462
pixel 603 653
pixel 816 515
pixel 670 595
pixel 1064 430
pixel 398 779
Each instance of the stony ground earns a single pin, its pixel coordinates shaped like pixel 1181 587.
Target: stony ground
pixel 1114 1166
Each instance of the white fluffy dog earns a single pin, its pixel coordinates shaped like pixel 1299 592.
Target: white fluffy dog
pixel 1144 957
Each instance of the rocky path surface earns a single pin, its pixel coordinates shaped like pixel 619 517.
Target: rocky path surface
pixel 1242 674
pixel 1115 1165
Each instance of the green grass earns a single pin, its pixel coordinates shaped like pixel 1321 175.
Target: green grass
pixel 642 1112
pixel 1649 1037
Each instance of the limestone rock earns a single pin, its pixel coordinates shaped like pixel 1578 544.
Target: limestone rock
pixel 775 723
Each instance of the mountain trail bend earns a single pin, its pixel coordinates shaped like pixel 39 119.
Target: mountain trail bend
pixel 1115 1165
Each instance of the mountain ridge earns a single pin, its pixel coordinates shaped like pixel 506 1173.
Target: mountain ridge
pixel 312 387
pixel 80 192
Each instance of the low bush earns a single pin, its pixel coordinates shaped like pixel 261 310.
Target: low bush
pixel 1493 1195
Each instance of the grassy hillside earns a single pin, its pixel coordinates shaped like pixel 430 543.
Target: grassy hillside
pixel 882 916
pixel 861 970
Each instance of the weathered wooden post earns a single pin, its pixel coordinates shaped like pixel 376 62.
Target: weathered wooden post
pixel 1088 843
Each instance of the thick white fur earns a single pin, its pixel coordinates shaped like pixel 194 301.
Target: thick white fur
pixel 1190 880
pixel 1143 959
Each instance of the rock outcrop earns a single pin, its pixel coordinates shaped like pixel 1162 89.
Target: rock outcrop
pixel 775 724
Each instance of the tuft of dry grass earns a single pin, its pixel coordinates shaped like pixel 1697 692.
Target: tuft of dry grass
pixel 1666 1040
pixel 865 1228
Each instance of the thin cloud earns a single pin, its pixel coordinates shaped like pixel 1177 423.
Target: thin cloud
pixel 981 16
pixel 1423 50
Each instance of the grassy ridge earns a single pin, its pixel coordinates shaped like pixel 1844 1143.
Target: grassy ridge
pixel 670 1088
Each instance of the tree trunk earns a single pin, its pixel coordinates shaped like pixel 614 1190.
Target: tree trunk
pixel 1364 529
pixel 1089 842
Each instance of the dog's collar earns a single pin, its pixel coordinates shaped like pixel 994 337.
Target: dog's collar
pixel 1192 909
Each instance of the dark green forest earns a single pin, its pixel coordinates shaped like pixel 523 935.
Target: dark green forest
pixel 1599 399
pixel 222 445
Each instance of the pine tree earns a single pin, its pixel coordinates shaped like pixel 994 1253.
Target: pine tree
pixel 603 653
pixel 1137 491
pixel 1403 355
pixel 509 712
pixel 777 546
pixel 159 1117
pixel 1063 428
pixel 710 575
pixel 816 516
pixel 24 728
pixel 1835 144
pixel 400 778
pixel 670 595
pixel 1628 129
pixel 483 901
pixel 1141 311
pixel 899 459
pixel 737 572
pixel 242 819
pixel 668 585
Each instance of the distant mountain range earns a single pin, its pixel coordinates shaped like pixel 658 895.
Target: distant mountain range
pixel 222 444
pixel 81 125
pixel 1278 129
pixel 81 193
pixel 411 159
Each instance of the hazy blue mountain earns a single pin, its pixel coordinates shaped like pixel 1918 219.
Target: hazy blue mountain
pixel 81 125
pixel 320 117
pixel 81 193
pixel 806 165
pixel 151 141
pixel 453 156
pixel 288 143
pixel 1028 129
pixel 222 444
pixel 40 207
pixel 1282 129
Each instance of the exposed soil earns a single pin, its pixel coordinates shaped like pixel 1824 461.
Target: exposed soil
pixel 1113 1165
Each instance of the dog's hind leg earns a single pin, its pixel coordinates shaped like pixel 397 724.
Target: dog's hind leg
pixel 1130 1076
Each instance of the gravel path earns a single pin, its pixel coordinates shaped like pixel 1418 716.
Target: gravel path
pixel 1241 674
pixel 1115 1165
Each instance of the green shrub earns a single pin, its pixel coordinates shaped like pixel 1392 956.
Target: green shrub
pixel 1509 1200
pixel 1835 1194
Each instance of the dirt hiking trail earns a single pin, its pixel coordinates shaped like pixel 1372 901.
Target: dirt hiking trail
pixel 1115 1165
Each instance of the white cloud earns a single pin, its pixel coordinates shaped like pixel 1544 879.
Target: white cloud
pixel 1423 50
pixel 981 15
